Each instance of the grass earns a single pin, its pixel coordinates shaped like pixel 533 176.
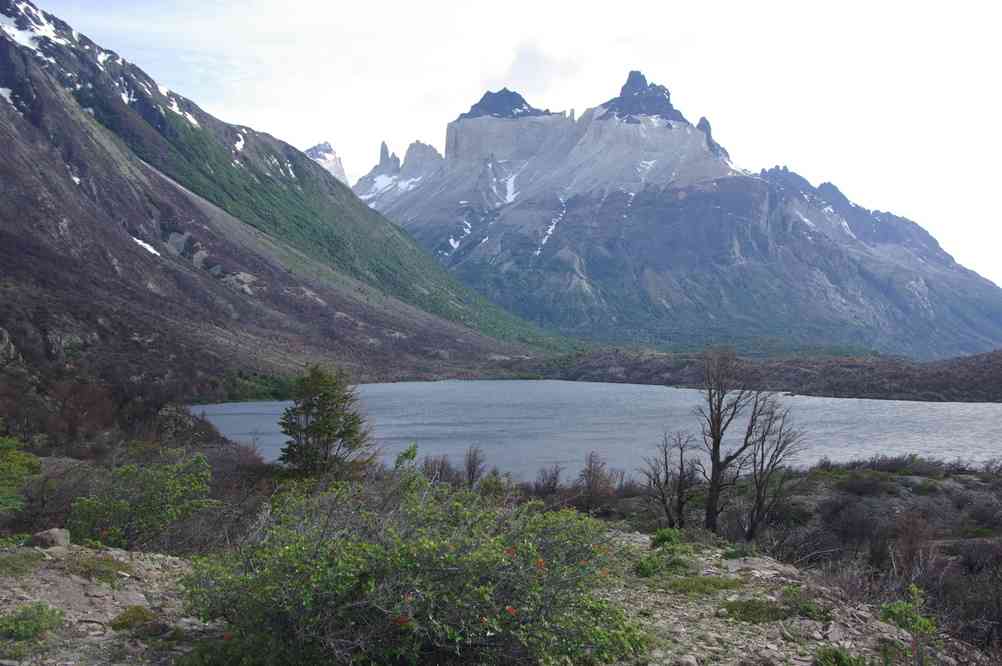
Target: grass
pixel 793 603
pixel 702 585
pixel 738 551
pixel 100 568
pixel 20 562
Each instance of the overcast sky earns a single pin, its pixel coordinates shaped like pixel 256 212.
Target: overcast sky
pixel 897 103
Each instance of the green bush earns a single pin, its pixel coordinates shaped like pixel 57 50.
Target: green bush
pixel 30 622
pixel 16 467
pixel 740 550
pixel 402 570
pixel 141 502
pixel 666 536
pixel 834 656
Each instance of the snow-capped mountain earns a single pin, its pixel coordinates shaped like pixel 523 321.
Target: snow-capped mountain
pixel 631 223
pixel 325 155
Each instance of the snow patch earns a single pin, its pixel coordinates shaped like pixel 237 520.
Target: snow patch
pixel 553 226
pixel 6 93
pixel 146 246
pixel 239 145
pixel 805 220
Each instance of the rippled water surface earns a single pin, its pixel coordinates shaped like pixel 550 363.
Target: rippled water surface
pixel 524 425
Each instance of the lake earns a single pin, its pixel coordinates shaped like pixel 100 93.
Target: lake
pixel 525 425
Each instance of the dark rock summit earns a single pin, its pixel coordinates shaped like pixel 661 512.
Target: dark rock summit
pixel 640 98
pixel 502 104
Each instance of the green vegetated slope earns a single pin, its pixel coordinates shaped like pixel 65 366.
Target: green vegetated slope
pixel 277 189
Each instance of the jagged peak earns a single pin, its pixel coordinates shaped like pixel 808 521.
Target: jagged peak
pixel 704 126
pixel 387 160
pixel 504 103
pixel 638 97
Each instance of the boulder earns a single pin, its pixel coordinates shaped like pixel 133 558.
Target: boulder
pixel 53 538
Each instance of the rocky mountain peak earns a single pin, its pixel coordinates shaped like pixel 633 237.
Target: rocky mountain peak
pixel 388 162
pixel 502 104
pixel 704 126
pixel 420 159
pixel 636 83
pixel 640 98
pixel 325 155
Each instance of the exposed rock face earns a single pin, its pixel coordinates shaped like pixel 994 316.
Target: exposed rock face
pixel 324 155
pixel 631 224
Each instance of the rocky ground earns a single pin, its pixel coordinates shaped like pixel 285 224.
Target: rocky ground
pixel 710 608
pixel 702 608
pixel 98 592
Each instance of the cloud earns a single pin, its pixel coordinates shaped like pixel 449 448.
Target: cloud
pixel 534 73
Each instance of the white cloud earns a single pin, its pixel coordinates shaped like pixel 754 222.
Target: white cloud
pixel 894 102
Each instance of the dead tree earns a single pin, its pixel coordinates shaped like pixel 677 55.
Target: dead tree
pixel 671 476
pixel 725 400
pixel 775 442
pixel 474 465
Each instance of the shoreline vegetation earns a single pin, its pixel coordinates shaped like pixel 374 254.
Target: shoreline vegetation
pixel 334 557
pixel 872 377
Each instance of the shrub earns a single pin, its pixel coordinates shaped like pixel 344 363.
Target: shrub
pixel 864 484
pixel 30 622
pixel 907 615
pixel 16 467
pixel 835 656
pixel 666 536
pixel 737 551
pixel 140 503
pixel 410 571
pixel 132 618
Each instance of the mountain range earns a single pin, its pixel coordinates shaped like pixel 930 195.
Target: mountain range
pixel 141 237
pixel 631 224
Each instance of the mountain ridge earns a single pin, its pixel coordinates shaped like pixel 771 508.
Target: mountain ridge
pixel 629 224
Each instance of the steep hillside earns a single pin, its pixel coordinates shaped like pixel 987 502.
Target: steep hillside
pixel 631 224
pixel 140 236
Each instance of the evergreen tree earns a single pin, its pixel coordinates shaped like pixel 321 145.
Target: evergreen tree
pixel 326 431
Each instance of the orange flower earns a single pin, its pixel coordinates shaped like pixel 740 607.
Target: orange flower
pixel 511 610
pixel 584 563
pixel 402 620
pixel 540 564
pixel 227 636
pixel 510 552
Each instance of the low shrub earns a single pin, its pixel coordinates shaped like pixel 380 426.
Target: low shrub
pixel 30 622
pixel 132 618
pixel 403 570
pixel 139 504
pixel 666 536
pixel 102 568
pixel 836 656
pixel 16 467
pixel 739 550
pixel 865 484
pixel 793 603
pixel 703 585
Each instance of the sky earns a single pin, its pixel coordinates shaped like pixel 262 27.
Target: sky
pixel 897 103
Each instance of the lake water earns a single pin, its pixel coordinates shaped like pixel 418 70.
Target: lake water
pixel 525 425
